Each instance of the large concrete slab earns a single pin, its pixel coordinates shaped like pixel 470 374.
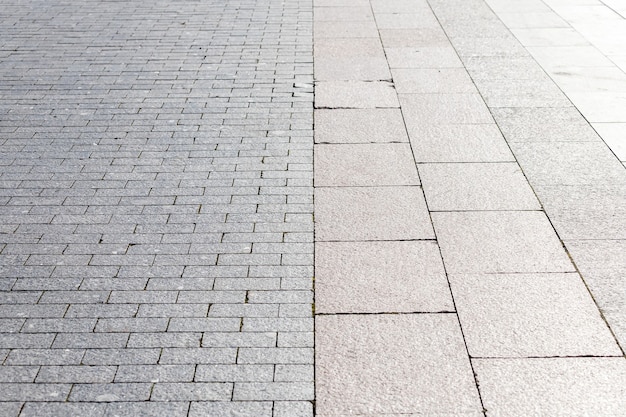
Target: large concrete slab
pixel 446 109
pixel 380 277
pixel 424 57
pixel 371 164
pixel 530 315
pixel 444 80
pixel 355 94
pixel 359 126
pixel 454 187
pixel 371 213
pixel 499 242
pixel 561 387
pixel 393 365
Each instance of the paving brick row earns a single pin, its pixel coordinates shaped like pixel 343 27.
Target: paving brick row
pixel 156 209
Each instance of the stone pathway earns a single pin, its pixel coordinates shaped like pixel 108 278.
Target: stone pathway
pixel 157 248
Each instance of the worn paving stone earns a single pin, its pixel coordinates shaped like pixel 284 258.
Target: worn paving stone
pixel 452 187
pixel 380 277
pixel 554 386
pixel 413 38
pixel 530 315
pixel 393 364
pixel 424 57
pixel 499 242
pixel 371 213
pixel 359 126
pixel 431 81
pixel 355 94
pixel 444 109
pixel 364 165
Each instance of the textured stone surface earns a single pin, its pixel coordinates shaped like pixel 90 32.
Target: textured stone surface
pixel 497 242
pixel 444 109
pixel 355 94
pixel 530 315
pixel 371 213
pixel 452 187
pixel 364 165
pixel 552 386
pixel 380 277
pixel 359 126
pixel 393 364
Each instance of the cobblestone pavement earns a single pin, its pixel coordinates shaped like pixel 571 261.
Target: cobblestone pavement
pixel 157 247
pixel 156 224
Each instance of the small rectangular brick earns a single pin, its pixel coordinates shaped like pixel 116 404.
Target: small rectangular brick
pixel 76 374
pixel 155 373
pixel 110 392
pixel 197 391
pixel 177 356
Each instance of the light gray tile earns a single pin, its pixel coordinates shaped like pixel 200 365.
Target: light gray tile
pixel 423 57
pixel 414 38
pixel 614 135
pixel 333 30
pixel 371 213
pixel 380 277
pixel 365 165
pixel 421 109
pixel 355 94
pixel 452 187
pixel 393 364
pixel 522 315
pixel 343 14
pixel 445 80
pixel 359 126
pixel 499 242
pixel 553 387
pixel 459 143
pixel 406 20
pixel 549 36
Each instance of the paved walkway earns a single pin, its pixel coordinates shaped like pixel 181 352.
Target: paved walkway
pixel 157 248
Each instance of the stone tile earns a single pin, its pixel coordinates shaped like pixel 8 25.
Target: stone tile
pixel 503 68
pixel 603 266
pixel 406 20
pixel 393 365
pixel 602 107
pixel 586 212
pixel 333 30
pixel 568 163
pixel 502 46
pixel 530 315
pixel 453 187
pixel 371 213
pixel 554 58
pixel 557 387
pixel 421 109
pixel 522 93
pixel 614 135
pixel 399 6
pixel 549 37
pixel 414 38
pixel 352 69
pixel 445 80
pixel 590 79
pixel 459 143
pixel 355 94
pixel 423 57
pixel 380 277
pixel 338 48
pixel 499 242
pixel 359 126
pixel 547 19
pixel 371 164
pixel 343 14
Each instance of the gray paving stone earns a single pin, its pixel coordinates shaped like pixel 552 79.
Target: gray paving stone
pixel 198 391
pixel 499 242
pixel 33 409
pixel 364 165
pixel 413 38
pixel 293 409
pixel 359 126
pixel 11 409
pixel 343 14
pixel 424 57
pixel 161 373
pixel 373 213
pixel 110 392
pixel 18 373
pixel 406 20
pixel 76 374
pixel 545 386
pixel 443 109
pixel 393 364
pixel 454 187
pixel 358 29
pixel 147 409
pixel 380 277
pixel 498 321
pixel 12 392
pixel 355 94
pixel 302 391
pixel 432 81
pixel 228 408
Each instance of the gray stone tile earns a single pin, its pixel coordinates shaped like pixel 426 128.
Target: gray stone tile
pixel 552 386
pixel 339 29
pixel 530 315
pixel 228 408
pixel 554 58
pixel 371 213
pixel 499 46
pixel 459 143
pixel 569 163
pixel 350 59
pixel 503 68
pixel 147 409
pixel 414 38
pixel 545 19
pixel 393 364
pixel 522 93
pixel 355 94
pixel 343 14
pixel 614 135
pixel 424 57
pixel 601 107
pixel 406 20
pixel 499 242
pixel 421 109
pixel 445 80
pixel 380 277
pixel 34 409
pixel 454 187
pixel 359 126
pixel 364 165
pixel 565 36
